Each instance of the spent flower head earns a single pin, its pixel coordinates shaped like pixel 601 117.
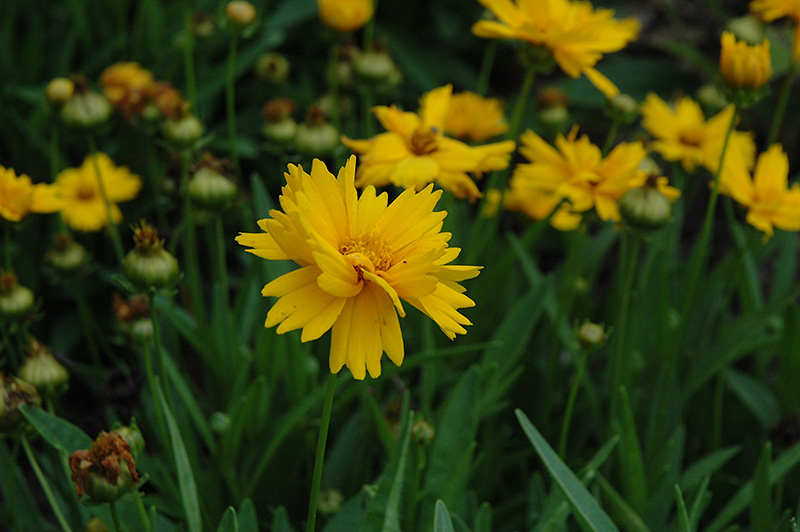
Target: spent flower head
pixel 359 258
pixel 105 472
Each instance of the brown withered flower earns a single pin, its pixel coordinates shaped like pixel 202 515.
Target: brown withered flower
pixel 106 471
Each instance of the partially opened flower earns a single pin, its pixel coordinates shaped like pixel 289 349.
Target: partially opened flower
pixel 683 134
pixel 414 151
pixel 84 208
pixel 19 196
pixel 770 10
pixel 576 34
pixel 359 259
pixel 744 66
pixel 770 202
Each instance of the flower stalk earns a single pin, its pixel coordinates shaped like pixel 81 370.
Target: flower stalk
pixel 327 407
pixel 48 491
pixel 783 100
pixel 230 101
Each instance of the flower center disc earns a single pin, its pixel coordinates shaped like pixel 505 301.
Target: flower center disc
pixel 423 141
pixel 692 137
pixel 367 252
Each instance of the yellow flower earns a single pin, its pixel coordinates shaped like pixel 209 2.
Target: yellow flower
pixel 84 208
pixel 127 86
pixel 682 134
pixel 414 151
pixel 744 66
pixel 576 170
pixel 770 10
pixel 358 258
pixel 474 117
pixel 345 15
pixel 766 196
pixel 576 34
pixel 19 196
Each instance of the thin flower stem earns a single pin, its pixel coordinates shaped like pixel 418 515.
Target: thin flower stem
pixel 701 248
pixel 573 394
pixel 220 266
pixel 87 322
pixel 519 108
pixel 192 267
pixel 162 366
pixel 327 406
pixel 369 29
pixel 7 249
pixel 612 135
pixel 13 354
pixel 231 104
pixel 719 400
pixel 148 527
pixel 115 516
pixel 489 53
pixel 48 492
pixel 112 225
pixel 783 100
pixel 752 287
pixel 333 90
pixel 188 60
pixel 151 383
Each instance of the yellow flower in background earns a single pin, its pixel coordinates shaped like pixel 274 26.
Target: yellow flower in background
pixel 345 15
pixel 769 10
pixel 767 197
pixel 683 134
pixel 359 259
pixel 84 208
pixel 19 196
pixel 576 34
pixel 123 81
pixel 471 116
pixel 414 151
pixel 744 66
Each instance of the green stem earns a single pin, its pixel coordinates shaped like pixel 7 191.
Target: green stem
pixel 327 406
pixel 48 492
pixel 188 60
pixel 14 358
pixel 87 322
pixel 333 89
pixel 489 53
pixel 162 365
pixel 752 287
pixel 115 516
pixel 231 104
pixel 369 29
pixel 220 265
pixel 54 155
pixel 719 397
pixel 112 225
pixel 192 266
pixel 573 394
pixel 148 527
pixel 7 248
pixel 519 108
pixel 700 250
pixel 612 134
pixel 783 100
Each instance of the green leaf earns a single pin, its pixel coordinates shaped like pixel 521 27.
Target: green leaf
pixel 248 521
pixel 228 523
pixel 707 465
pixel 441 520
pixel 186 483
pixel 761 511
pixel 61 434
pixel 628 517
pixel 683 514
pixel 16 496
pixel 630 456
pixel 584 506
pixel 483 520
pixel 758 399
pixel 280 521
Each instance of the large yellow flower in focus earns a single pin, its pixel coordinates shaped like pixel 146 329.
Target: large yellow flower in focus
pixel 683 134
pixel 744 66
pixel 359 258
pixel 345 15
pixel 766 195
pixel 770 10
pixel 84 208
pixel 414 151
pixel 19 196
pixel 575 33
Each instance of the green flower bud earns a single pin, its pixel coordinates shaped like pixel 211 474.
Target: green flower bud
pixel 422 432
pixel 330 501
pixel 203 25
pixel 183 131
pixel 316 136
pixel 282 132
pixel 14 392
pixel 42 370
pixel 66 255
pixel 149 264
pixel 132 436
pixel 141 330
pixel 15 299
pixel 591 335
pixel 220 422
pixel 711 98
pixel 86 109
pixel 210 189
pixel 272 67
pixel 375 67
pixel 645 208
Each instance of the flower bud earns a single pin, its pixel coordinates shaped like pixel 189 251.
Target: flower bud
pixel 96 525
pixel 591 335
pixel 645 207
pixel 744 68
pixel 330 501
pixel 316 136
pixel 211 190
pixel 272 67
pixel 220 422
pixel 345 15
pixel 15 299
pixel 14 392
pixel 279 126
pixel 66 255
pixel 107 471
pixel 240 14
pixel 59 90
pixel 132 436
pixel 183 131
pixel 422 432
pixel 203 25
pixel 149 265
pixel 42 370
pixel 86 109
pixel 375 67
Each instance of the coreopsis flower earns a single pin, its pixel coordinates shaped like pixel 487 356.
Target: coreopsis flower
pixel 19 196
pixel 770 202
pixel 770 10
pixel 744 66
pixel 83 205
pixel 127 86
pixel 414 151
pixel 683 134
pixel 359 258
pixel 345 15
pixel 471 116
pixel 576 34
pixel 105 472
pixel 576 170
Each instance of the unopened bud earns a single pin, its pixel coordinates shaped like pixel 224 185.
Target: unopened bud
pixel 645 207
pixel 330 501
pixel 86 109
pixel 15 300
pixel 591 335
pixel 59 90
pixel 42 370
pixel 422 432
pixel 210 189
pixel 272 67
pixel 240 14
pixel 66 255
pixel 14 393
pixel 374 67
pixel 96 525
pixel 105 472
pixel 149 265
pixel 316 136
pixel 183 131
pixel 623 108
pixel 132 436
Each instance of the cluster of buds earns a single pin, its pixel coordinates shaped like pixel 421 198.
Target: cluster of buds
pixel 105 472
pixel 148 264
